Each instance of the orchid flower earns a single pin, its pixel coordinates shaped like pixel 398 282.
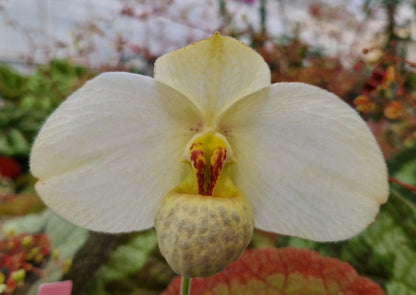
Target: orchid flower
pixel 204 152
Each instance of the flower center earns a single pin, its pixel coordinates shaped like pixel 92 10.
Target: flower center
pixel 207 154
pixel 200 235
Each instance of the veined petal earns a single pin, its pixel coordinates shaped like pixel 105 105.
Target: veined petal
pixel 112 150
pixel 214 73
pixel 306 162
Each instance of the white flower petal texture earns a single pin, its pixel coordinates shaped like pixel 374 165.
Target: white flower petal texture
pixel 112 150
pixel 306 162
pixel 214 73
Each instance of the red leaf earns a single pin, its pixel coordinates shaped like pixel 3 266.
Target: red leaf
pixel 9 167
pixel 286 271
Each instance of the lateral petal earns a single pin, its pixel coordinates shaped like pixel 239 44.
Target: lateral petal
pixel 306 162
pixel 112 150
pixel 213 73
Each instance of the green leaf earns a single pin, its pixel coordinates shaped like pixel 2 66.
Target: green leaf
pixel 391 242
pixel 12 84
pixel 51 84
pixel 129 258
pixel 25 110
pixel 119 275
pixel 403 168
pixel 18 128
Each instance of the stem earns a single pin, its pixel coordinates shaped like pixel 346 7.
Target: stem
pixel 402 184
pixel 186 286
pixel 223 8
pixel 263 16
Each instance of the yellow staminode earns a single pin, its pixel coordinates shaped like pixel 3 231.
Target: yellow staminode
pixel 208 153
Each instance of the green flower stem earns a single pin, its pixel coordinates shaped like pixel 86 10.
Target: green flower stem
pixel 186 286
pixel 262 11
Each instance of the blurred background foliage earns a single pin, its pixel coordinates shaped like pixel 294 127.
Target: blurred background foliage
pixel 378 79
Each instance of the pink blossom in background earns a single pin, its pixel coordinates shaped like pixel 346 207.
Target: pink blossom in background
pixel 58 288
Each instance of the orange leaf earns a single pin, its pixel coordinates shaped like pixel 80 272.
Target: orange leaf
pixel 286 271
pixel 364 104
pixel 12 205
pixel 393 110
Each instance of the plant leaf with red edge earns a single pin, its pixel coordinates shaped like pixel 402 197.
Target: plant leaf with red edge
pixel 286 271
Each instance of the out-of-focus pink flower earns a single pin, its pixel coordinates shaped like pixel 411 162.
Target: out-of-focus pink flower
pixel 61 288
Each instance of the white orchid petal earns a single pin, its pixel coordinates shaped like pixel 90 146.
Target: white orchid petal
pixel 306 162
pixel 112 150
pixel 214 73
